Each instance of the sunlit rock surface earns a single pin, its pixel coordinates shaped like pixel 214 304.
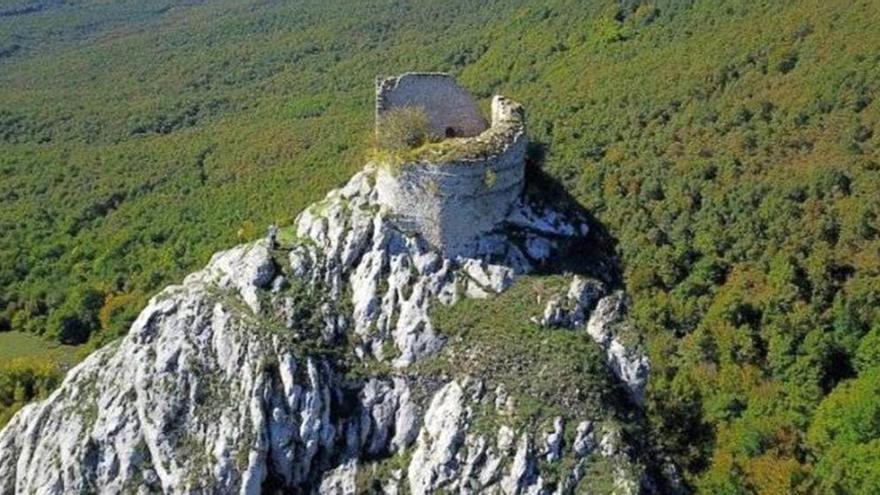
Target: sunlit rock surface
pixel 250 376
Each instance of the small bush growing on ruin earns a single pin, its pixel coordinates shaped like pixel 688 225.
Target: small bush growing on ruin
pixel 403 129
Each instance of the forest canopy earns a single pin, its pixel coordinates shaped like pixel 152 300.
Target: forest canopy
pixel 729 148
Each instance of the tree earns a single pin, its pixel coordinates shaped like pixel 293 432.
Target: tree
pixel 868 353
pixel 24 379
pixel 77 318
pixel 845 436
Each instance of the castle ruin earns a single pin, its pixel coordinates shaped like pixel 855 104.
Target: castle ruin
pixel 466 184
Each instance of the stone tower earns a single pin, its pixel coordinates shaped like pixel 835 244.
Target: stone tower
pixel 467 184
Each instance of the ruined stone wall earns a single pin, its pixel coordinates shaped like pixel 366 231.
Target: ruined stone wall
pixel 451 203
pixel 449 107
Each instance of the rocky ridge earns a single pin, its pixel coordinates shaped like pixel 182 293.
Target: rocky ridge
pixel 295 371
pixel 587 305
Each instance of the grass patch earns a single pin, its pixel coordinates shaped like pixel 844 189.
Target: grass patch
pixel 548 372
pixel 15 345
pixel 370 475
pixel 453 149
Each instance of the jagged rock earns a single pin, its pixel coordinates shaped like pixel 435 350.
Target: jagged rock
pixel 609 311
pixel 584 294
pixel 390 421
pixel 585 304
pixel 501 397
pixel 627 481
pixel 572 310
pixel 246 269
pixel 223 385
pixel 523 477
pixel 341 481
pixel 628 364
pixel 553 441
pixel 434 464
pixel 279 284
pixel 488 276
pixel 395 277
pixel 584 440
pixel 506 437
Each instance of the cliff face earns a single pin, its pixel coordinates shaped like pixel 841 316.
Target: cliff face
pixel 298 370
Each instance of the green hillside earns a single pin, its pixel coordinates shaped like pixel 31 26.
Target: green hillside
pixel 729 149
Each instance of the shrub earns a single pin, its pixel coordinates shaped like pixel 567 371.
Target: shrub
pixel 119 311
pixel 25 379
pixel 404 128
pixel 845 436
pixel 77 318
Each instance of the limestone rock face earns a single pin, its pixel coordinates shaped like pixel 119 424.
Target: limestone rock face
pixel 628 364
pixel 587 305
pixel 240 379
pixel 393 277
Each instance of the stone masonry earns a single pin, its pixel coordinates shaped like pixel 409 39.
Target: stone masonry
pixel 451 202
pixel 451 110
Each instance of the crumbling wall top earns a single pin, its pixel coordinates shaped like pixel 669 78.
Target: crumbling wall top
pixel 451 111
pixel 453 190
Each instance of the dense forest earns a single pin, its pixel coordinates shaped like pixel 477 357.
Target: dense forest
pixel 729 149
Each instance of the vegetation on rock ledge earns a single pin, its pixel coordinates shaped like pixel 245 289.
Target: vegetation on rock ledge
pixel 729 147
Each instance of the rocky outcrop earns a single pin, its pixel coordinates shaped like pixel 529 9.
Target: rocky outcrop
pixel 587 305
pixel 272 371
pixel 393 277
pixel 573 310
pixel 629 364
